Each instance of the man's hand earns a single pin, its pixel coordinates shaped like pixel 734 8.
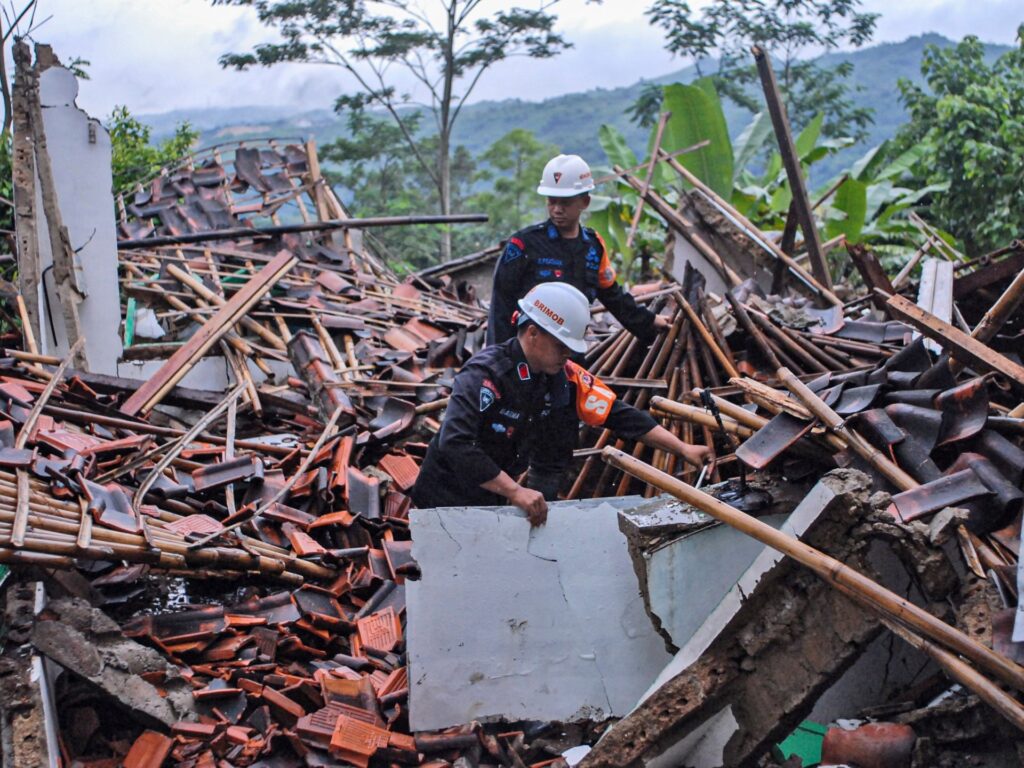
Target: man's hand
pixel 695 454
pixel 662 323
pixel 532 503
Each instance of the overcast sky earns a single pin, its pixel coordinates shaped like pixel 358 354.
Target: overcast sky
pixel 159 55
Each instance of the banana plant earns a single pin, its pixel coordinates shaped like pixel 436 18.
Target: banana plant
pixel 868 206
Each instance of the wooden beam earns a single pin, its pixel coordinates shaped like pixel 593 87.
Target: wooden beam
pixel 801 202
pixel 662 122
pixel 23 172
pixel 174 370
pixel 871 272
pixel 963 348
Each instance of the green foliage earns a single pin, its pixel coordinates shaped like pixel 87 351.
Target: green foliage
pixel 511 168
pixel 869 205
pixel 6 184
pixel 787 30
pixel 967 128
pixel 697 115
pixel 381 176
pixel 133 157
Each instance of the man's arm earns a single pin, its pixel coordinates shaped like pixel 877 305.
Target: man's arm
pixel 638 320
pixel 663 440
pixel 457 440
pixel 508 274
pixel 597 405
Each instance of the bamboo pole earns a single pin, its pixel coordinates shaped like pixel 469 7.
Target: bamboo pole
pixel 20 523
pixel 66 511
pixel 805 277
pixel 996 317
pixel 706 337
pixel 867 592
pixel 699 416
pixel 732 410
pixel 205 293
pixel 662 122
pixel 807 362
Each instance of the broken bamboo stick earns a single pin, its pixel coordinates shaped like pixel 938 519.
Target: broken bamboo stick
pixel 706 336
pixel 659 132
pixel 996 317
pixel 154 390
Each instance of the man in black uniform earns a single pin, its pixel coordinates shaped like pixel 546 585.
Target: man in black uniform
pixel 517 406
pixel 560 250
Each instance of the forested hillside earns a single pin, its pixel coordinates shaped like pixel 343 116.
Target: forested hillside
pixel 571 121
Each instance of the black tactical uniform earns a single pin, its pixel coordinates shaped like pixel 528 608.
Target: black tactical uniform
pixel 539 254
pixel 504 416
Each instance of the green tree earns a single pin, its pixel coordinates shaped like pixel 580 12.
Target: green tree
pixel 512 167
pixel 445 46
pixel 789 30
pixel 379 175
pixel 970 119
pixel 133 157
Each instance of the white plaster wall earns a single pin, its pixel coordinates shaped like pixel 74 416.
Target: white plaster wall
pixel 526 624
pixel 79 149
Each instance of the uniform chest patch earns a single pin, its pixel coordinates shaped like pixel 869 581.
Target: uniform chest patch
pixel 524 372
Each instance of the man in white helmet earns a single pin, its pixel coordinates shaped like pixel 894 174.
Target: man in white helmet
pixel 561 250
pixel 517 406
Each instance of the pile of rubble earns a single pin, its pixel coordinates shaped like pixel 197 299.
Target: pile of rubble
pixel 250 531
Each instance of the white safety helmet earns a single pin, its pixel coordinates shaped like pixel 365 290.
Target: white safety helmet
pixel 561 310
pixel 565 176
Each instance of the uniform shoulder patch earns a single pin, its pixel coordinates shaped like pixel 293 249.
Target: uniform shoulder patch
pixel 514 248
pixel 593 399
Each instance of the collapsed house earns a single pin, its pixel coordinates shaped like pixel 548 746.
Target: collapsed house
pixel 220 399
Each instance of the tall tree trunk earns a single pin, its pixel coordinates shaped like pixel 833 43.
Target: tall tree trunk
pixel 444 171
pixel 445 134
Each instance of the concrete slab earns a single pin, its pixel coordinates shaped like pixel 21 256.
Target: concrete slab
pixel 723 592
pixel 79 148
pixel 509 622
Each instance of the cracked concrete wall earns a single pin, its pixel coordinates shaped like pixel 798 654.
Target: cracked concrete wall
pixel 79 148
pixel 774 643
pixel 520 623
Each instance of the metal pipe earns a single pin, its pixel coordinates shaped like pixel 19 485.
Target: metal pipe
pixel 313 226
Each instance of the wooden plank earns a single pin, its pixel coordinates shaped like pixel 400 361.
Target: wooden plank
pixel 870 271
pixel 801 202
pixel 935 293
pixel 150 393
pixel 983 277
pixel 963 347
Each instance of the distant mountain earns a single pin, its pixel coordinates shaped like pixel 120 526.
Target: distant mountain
pixel 571 121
